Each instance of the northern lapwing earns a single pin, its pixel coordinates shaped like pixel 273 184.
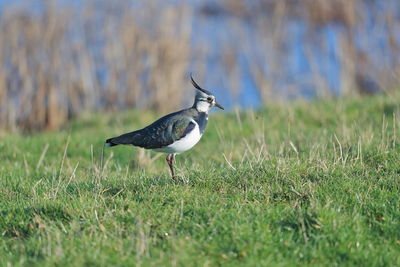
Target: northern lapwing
pixel 174 133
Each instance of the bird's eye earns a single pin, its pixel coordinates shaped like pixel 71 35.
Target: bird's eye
pixel 209 99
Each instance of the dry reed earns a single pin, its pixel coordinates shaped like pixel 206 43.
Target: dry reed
pixel 61 61
pixel 52 68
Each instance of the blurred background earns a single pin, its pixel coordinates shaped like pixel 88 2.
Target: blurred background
pixel 60 58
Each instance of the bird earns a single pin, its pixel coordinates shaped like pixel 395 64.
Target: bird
pixel 174 133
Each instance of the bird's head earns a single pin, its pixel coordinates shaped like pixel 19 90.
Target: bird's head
pixel 204 100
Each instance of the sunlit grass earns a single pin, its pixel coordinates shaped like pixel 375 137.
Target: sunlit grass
pixel 305 183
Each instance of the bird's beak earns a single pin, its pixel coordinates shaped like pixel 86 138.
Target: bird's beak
pixel 219 106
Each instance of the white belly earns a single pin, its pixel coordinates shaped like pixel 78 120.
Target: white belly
pixel 183 144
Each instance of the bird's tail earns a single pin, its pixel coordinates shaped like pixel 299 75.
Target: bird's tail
pixel 126 139
pixel 109 143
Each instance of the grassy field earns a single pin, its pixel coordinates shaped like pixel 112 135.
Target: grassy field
pixel 314 183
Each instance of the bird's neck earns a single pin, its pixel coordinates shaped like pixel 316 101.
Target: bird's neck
pixel 201 119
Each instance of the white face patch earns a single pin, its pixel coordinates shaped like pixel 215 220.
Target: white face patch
pixel 203 106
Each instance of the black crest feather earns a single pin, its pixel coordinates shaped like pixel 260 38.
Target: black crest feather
pixel 198 87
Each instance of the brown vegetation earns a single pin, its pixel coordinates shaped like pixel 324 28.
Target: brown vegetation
pixel 48 75
pixel 62 61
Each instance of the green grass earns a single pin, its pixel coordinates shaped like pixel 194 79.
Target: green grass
pixel 313 183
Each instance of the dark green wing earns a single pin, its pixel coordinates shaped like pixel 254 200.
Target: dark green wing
pixel 161 133
pixel 182 127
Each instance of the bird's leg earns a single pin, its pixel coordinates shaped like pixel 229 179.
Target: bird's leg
pixel 170 160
